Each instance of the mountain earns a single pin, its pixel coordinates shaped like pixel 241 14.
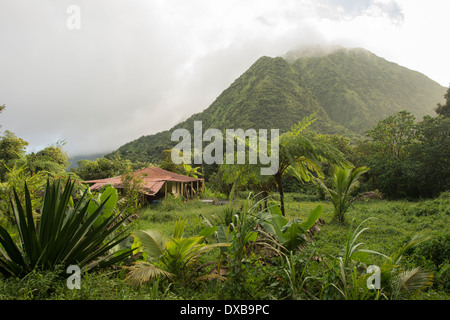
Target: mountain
pixel 350 90
pixel 73 160
pixel 357 88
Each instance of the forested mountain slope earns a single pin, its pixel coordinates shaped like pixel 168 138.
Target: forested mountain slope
pixel 348 89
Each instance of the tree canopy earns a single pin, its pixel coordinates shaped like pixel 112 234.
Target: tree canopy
pixel 407 159
pixel 444 109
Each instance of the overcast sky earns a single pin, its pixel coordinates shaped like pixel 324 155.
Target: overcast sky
pixel 138 67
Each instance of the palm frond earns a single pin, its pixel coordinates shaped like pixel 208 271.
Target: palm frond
pixel 153 242
pixel 144 272
pixel 409 281
pixel 209 277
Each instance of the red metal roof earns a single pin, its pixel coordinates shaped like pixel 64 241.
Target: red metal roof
pixel 153 179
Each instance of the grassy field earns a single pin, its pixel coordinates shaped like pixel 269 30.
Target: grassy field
pixel 392 224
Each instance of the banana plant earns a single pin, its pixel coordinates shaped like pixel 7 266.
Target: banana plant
pixel 65 235
pixel 108 198
pixel 288 233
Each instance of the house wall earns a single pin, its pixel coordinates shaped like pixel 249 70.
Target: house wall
pixel 175 188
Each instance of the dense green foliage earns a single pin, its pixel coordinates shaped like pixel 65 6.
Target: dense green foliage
pixel 103 167
pixel 12 148
pixel 391 226
pixel 301 154
pixel 444 109
pixel 356 88
pixel 175 257
pixel 407 159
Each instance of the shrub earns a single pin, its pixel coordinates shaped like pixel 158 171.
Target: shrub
pixel 436 206
pixel 436 249
pixel 65 235
pixel 175 258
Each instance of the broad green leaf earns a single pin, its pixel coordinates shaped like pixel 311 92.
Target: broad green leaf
pixel 222 234
pixel 179 229
pixel 207 232
pixel 251 237
pixel 152 242
pixel 274 208
pixel 111 197
pixel 273 224
pixel 293 236
pixel 313 216
pixel 92 207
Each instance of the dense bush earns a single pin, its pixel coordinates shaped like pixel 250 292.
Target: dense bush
pixel 438 206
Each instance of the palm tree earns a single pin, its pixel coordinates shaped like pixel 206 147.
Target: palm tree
pixel 191 171
pixel 300 155
pixel 175 257
pixel 344 182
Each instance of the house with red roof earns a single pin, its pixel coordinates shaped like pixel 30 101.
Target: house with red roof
pixel 157 184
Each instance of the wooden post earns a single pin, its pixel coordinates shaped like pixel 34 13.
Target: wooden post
pixel 197 191
pixel 165 189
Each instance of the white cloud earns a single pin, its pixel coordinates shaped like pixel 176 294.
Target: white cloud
pixel 138 68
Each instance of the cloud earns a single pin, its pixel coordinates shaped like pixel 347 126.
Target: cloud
pixel 350 9
pixel 140 68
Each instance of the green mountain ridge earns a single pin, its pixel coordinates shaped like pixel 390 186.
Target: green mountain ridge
pixel 350 90
pixel 358 88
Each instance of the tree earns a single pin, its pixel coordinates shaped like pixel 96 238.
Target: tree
pixel 344 182
pixel 393 135
pixel 444 109
pixel 16 178
pixel 390 142
pixel 56 154
pixel 428 163
pixel 301 155
pixel 11 149
pixel 249 176
pixel 51 160
pixel 133 194
pixel 1 110
pixel 407 158
pixel 168 164
pixel 190 171
pixel 35 163
pixel 102 168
